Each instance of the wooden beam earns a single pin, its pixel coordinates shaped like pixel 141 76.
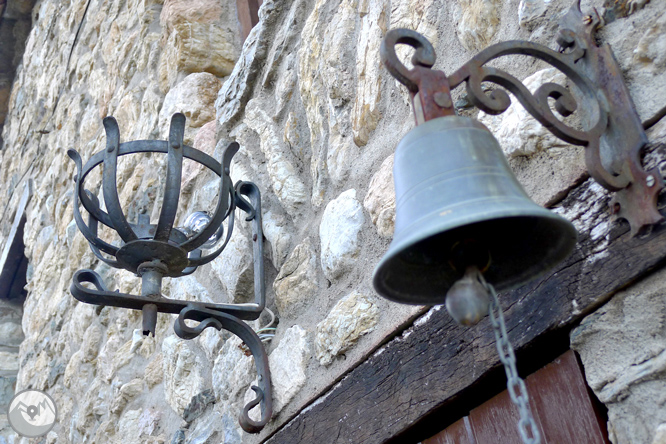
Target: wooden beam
pixel 424 376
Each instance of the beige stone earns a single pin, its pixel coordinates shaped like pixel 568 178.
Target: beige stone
pixel 234 270
pixel 380 200
pixel 326 87
pixel 285 181
pixel 365 112
pixel 296 283
pixel 278 230
pixel 154 372
pixel 175 12
pixel 197 47
pixel 126 393
pixel 352 317
pixel 91 342
pixel 203 141
pixel 182 377
pixel 194 97
pixel 480 20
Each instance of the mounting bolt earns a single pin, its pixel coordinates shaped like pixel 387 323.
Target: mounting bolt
pixel 650 181
pixel 175 144
pixel 442 99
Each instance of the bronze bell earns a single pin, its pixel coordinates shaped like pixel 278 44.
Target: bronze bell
pixel 458 205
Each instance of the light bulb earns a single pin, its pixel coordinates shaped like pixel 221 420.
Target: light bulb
pixel 195 224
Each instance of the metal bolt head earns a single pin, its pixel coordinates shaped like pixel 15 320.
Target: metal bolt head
pixel 650 181
pixel 442 99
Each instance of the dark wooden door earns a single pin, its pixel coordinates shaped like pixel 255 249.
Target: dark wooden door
pixel 561 404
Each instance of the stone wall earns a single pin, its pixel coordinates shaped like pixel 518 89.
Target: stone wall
pixel 318 119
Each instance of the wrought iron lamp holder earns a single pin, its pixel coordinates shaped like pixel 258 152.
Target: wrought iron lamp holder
pixel 153 251
pixel 613 136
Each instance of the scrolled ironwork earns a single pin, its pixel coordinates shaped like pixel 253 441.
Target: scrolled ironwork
pixel 610 123
pixel 153 251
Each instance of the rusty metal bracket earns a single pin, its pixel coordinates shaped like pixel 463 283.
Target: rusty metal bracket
pixel 613 136
pixel 153 251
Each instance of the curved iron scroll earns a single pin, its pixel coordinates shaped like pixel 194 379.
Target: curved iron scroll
pixel 218 320
pixel 612 126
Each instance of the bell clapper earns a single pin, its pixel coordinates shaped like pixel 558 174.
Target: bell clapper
pixel 468 300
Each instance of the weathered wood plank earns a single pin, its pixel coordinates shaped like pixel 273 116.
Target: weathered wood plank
pixel 459 432
pixel 428 369
pixel 561 401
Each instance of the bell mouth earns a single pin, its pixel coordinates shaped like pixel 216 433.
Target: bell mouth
pixel 454 184
pixel 520 249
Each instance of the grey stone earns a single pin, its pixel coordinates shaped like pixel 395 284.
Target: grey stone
pixel 198 405
pixel 178 437
pixel 230 430
pixel 183 379
pixel 532 12
pixel 288 363
pixel 233 371
pixel 7 386
pixel 206 430
pixel 623 350
pixel 11 334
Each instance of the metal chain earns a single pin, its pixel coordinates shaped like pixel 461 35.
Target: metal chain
pixel 516 386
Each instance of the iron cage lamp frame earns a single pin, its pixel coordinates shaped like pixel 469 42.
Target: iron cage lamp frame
pixel 153 251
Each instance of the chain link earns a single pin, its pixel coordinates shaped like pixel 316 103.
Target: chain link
pixel 516 386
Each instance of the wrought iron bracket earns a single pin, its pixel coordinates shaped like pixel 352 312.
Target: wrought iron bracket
pixel 153 251
pixel 613 136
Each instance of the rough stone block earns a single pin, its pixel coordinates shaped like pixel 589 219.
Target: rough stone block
pixel 352 317
pixel 623 349
pixel 339 233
